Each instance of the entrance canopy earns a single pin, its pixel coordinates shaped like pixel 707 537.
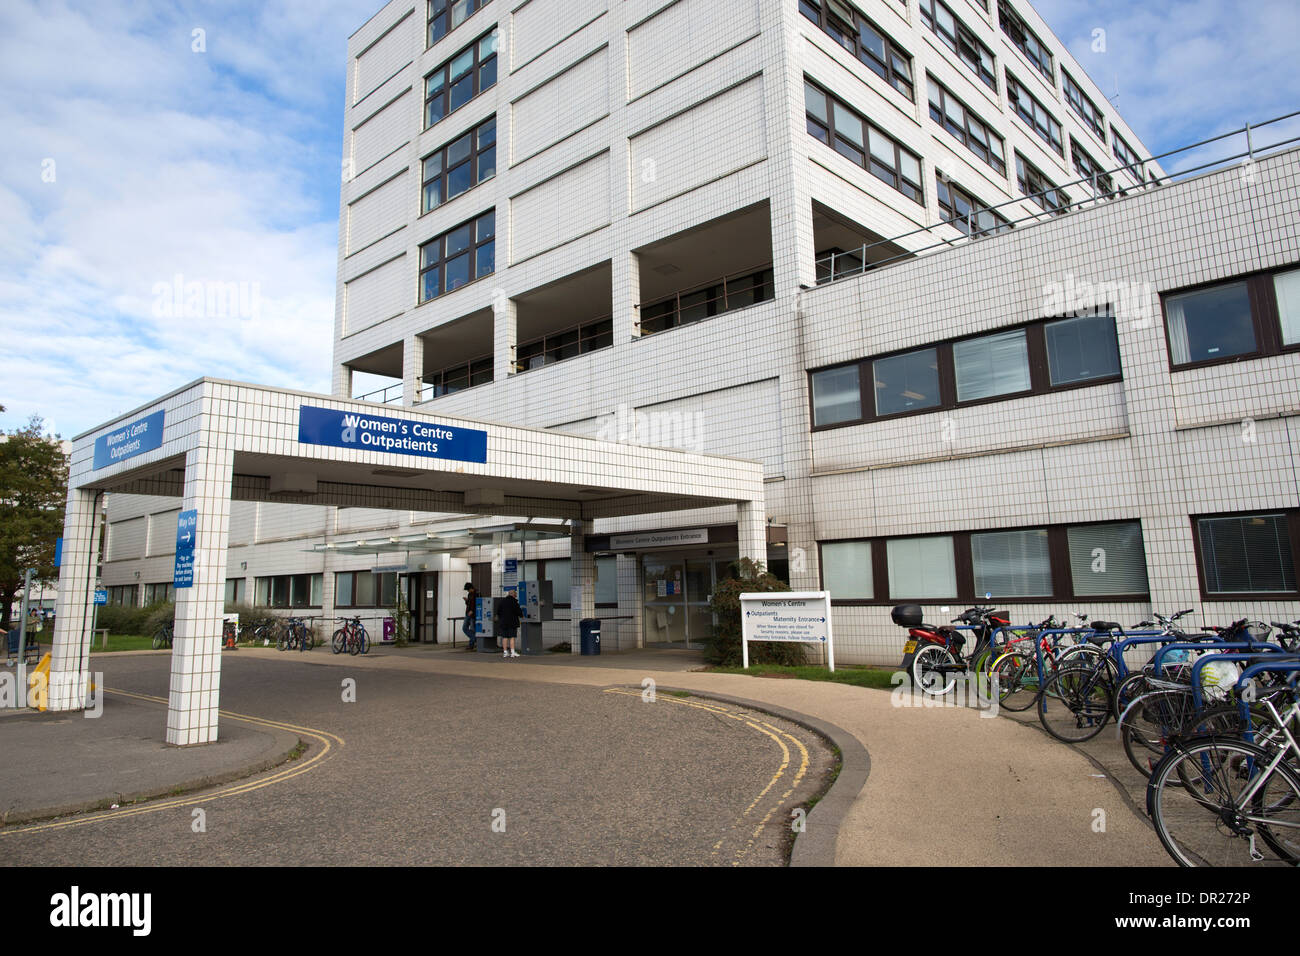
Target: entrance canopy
pixel 213 441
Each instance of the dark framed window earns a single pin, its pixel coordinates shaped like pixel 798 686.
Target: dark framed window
pixel 447 15
pixel 1245 317
pixel 1251 555
pixel 158 593
pixel 122 595
pixel 456 378
pixel 1126 155
pixel 458 257
pixel 1052 562
pixel 290 590
pixel 866 41
pixel 1034 359
pixel 1088 168
pixel 568 343
pixel 1083 106
pixel 365 589
pixel 1038 188
pixel 1034 113
pixel 236 591
pixel 965 212
pixel 458 166
pixel 976 135
pixel 1025 39
pixel 694 305
pixel 961 40
pixel 857 139
pixel 460 79
pixel 559 572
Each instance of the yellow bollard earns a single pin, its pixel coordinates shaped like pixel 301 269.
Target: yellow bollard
pixel 39 694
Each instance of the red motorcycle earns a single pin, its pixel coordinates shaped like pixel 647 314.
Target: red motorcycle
pixel 933 654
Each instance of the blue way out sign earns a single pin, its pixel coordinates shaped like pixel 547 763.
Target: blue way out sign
pixel 187 526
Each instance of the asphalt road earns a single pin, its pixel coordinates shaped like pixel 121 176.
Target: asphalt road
pixel 438 769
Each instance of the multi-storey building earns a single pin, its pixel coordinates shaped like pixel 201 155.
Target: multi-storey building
pixel 713 225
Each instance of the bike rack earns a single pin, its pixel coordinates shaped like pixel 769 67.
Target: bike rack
pixel 1199 665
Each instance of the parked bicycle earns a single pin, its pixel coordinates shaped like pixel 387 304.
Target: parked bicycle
pixel 296 636
pixel 351 637
pixel 933 655
pixel 164 636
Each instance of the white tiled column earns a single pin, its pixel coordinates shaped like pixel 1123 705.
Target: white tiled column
pixel 582 583
pixel 751 526
pixel 70 658
pixel 341 387
pixel 627 296
pixel 412 369
pixel 196 657
pixel 629 601
pixel 505 335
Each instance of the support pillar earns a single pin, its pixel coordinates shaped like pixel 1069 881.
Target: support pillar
pixel 627 296
pixel 342 384
pixel 505 336
pixel 70 657
pixel 582 583
pixel 630 601
pixel 751 527
pixel 196 655
pixel 412 369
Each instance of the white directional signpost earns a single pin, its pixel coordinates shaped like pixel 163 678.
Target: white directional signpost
pixel 800 617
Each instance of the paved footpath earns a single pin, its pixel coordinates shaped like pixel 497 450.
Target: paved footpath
pixel 941 786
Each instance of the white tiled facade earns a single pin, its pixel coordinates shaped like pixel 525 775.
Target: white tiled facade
pixel 645 148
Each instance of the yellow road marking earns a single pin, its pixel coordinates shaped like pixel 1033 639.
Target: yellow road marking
pixel 326 739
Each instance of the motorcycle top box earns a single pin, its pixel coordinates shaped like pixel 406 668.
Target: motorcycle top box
pixel 907 615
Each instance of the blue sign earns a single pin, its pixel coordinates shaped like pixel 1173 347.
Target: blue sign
pixel 187 526
pixel 101 596
pixel 401 436
pixel 58 552
pixel 129 440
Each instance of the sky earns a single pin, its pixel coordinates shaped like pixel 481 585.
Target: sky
pixel 170 171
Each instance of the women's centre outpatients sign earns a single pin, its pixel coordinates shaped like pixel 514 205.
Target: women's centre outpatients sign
pixel 802 617
pixel 401 436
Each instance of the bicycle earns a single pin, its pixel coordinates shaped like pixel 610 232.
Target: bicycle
pixel 351 637
pixel 933 654
pixel 296 636
pixel 164 636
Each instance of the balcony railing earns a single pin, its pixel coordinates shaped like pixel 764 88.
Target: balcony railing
pixel 391 395
pixel 723 294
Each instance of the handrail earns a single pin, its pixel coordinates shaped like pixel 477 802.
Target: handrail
pixel 1252 151
pixel 714 282
pixel 385 400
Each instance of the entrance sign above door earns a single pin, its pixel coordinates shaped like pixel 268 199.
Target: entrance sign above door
pixel 400 436
pixel 658 539
pixel 125 442
pixel 802 617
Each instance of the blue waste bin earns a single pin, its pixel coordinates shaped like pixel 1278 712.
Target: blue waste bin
pixel 590 629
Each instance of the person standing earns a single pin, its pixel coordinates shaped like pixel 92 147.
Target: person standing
pixel 508 621
pixel 471 608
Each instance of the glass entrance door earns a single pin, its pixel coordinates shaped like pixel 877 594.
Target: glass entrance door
pixel 677 590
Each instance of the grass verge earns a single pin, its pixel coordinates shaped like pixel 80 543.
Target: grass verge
pixel 873 677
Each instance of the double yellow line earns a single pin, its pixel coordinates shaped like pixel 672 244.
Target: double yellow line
pixel 325 739
pixel 762 727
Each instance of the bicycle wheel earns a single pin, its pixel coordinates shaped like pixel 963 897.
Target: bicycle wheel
pixel 309 639
pixel 1205 822
pixel 1017 677
pixel 1151 721
pixel 158 641
pixel 339 642
pixel 365 642
pixel 354 643
pixel 924 675
pixel 1075 704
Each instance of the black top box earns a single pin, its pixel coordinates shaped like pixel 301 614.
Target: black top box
pixel 907 615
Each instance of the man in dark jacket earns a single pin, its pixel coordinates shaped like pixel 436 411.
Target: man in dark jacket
pixel 471 608
pixel 508 623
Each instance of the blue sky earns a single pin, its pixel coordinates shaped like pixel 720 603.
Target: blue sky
pixel 135 163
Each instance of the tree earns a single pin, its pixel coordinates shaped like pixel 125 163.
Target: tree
pixel 33 492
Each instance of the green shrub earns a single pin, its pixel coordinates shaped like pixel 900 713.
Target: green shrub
pixel 122 620
pixel 723 649
pixel 159 615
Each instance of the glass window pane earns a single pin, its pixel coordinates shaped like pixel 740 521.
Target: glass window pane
pixel 1012 563
pixel 906 383
pixel 921 568
pixel 487 75
pixel 462 64
pixel 432 166
pixel 343 589
pixel 909 167
pixel 1287 287
pixel 487 133
pixel 459 151
pixel 458 240
pixel 487 46
pixel 1250 554
pixel 462 91
pixel 432 195
pixel 431 286
pixel 457 271
pixel 607 580
pixel 388 590
pixel 485 225
pixel 486 260
pixel 1082 349
pixel 815 103
pixel 460 179
pixel 836 396
pixel 882 147
pixel 559 573
pixel 1108 559
pixel 365 593
pixel 846 570
pixel 433 83
pixel 487 163
pixel 871 40
pixel 991 365
pixel 1210 324
pixel 848 125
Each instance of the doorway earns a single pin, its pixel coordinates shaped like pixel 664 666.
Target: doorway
pixel 422 599
pixel 677 590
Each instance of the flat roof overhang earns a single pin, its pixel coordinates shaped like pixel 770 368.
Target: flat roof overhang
pixel 527 472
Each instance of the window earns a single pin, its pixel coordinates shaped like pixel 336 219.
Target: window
pixel 991 365
pixel 921 568
pixel 1107 559
pixel 290 590
pixel 1082 349
pixel 559 571
pixel 558 346
pixel 907 382
pixel 122 595
pixel 235 590
pixel 1037 358
pixel 458 257
pixel 459 166
pixel 1012 563
pixel 1211 324
pixel 365 589
pixel 1039 188
pixel 976 135
pixel 1018 564
pixel 857 139
pixel 1014 26
pixel 963 211
pixel 158 594
pixel 456 378
pixel 959 38
pixel 460 79
pixel 846 570
pixel 1085 107
pixel 1089 169
pixel 447 15
pixel 1252 554
pixel 836 396
pixel 734 292
pixel 851 30
pixel 1286 289
pixel 1034 114
pixel 1126 155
